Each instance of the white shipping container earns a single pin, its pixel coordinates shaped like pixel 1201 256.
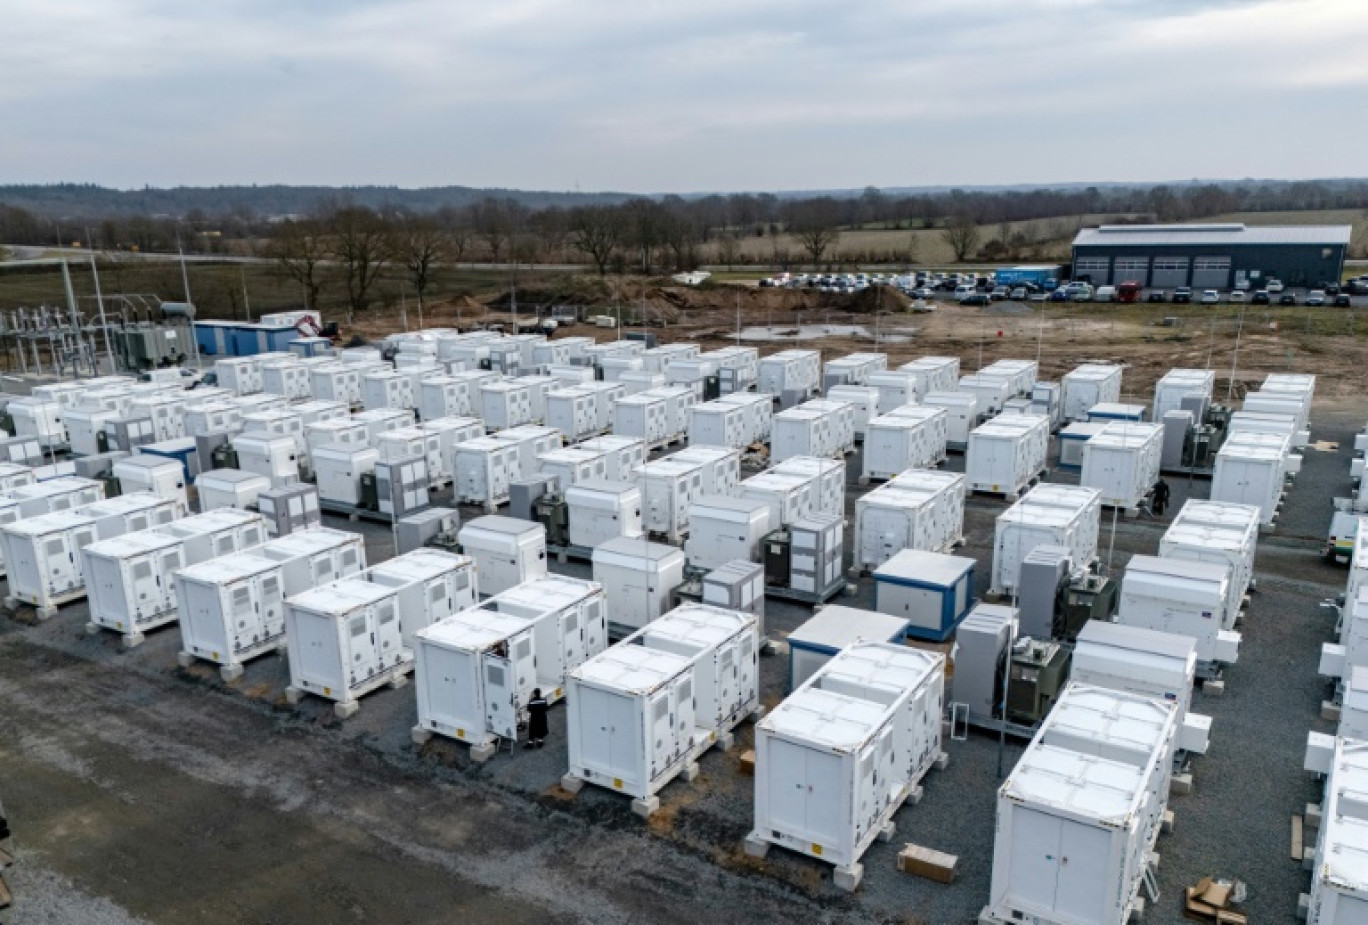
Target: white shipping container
pixel 1122 462
pixel 790 496
pixel 507 552
pixel 991 392
pixel 505 403
pixel 1339 879
pixel 836 760
pixel 910 437
pixel 432 584
pixel 942 373
pixel 1019 374
pixel 84 427
pixel 1048 515
pixel 622 454
pixel 667 489
pixel 344 641
pixel 1182 597
pixel 1078 816
pixel 721 467
pixel 759 410
pixel 1180 384
pixel 42 555
pixel 639 580
pixel 828 481
pixel 792 376
pixel 573 412
pixel 1252 469
pixel 1226 534
pixel 644 417
pixel 853 369
pixel 679 402
pixel 923 511
pixel 724 529
pixel 725 645
pixel 810 431
pixel 482 470
pixel 1004 455
pixel 863 399
pixel 231 610
pixel 716 424
pixel 408 442
pixel 961 415
pixel 600 510
pixel 1088 385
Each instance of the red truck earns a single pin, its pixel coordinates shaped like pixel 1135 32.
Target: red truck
pixel 1129 291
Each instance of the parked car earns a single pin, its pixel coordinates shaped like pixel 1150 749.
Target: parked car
pixel 1039 296
pixel 1182 295
pixel 923 293
pixel 1332 290
pixel 1019 293
pixel 1315 297
pixel 1275 286
pixel 1237 295
pixel 975 298
pixel 1156 295
pixel 1287 298
pixel 1260 297
pixel 1210 297
pixel 1105 294
pixel 1342 300
pixel 1000 293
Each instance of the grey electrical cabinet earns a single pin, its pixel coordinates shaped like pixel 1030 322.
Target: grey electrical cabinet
pixel 417 530
pixel 289 508
pixel 1043 570
pixel 401 487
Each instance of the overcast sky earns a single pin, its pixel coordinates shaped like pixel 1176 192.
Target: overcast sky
pixel 679 95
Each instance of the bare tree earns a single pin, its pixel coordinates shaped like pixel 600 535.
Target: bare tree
pixel 421 246
pixel 494 223
pixel 300 247
pixel 361 244
pixel 596 231
pixel 962 234
pixel 728 249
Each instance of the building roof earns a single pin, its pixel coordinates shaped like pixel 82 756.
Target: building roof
pixel 1219 234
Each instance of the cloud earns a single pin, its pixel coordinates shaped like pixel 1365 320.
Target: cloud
pixel 650 95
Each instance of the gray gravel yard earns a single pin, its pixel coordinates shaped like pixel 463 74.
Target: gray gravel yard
pixel 138 790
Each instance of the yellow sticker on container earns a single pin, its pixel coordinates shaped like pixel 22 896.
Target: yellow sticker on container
pixel 327 692
pixel 460 733
pixel 215 655
pixel 617 782
pixel 817 850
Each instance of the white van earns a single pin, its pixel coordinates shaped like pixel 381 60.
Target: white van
pixel 1105 294
pixel 962 291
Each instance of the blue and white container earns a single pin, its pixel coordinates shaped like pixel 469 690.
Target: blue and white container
pixel 931 591
pixel 830 631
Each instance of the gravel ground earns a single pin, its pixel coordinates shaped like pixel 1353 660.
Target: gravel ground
pixel 141 790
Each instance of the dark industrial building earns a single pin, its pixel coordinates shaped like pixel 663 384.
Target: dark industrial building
pixel 1210 256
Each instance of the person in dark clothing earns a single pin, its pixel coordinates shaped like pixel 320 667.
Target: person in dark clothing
pixel 1161 497
pixel 536 719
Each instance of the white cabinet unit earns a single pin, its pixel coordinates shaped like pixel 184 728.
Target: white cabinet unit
pixel 409 442
pixel 1072 439
pixel 383 420
pixel 1252 469
pixel 43 558
pixel 220 488
pixel 836 760
pixel 482 470
pixel 432 584
pixel 759 415
pixel 789 496
pixel 569 466
pixel 1181 597
pixel 344 641
pixel 667 489
pixel 863 399
pixel 1145 662
pixel 828 481
pixel 162 477
pixel 1078 816
pixel 990 392
pixel 286 379
pixel 962 415
pixel 1005 454
pixel 1225 534
pixel 1180 387
pixel 1122 462
pixel 930 591
pixel 791 376
pixel 1020 375
pixel 622 455
pixel 639 580
pixel 314 557
pixel 573 412
pixel 451 396
pixel 644 417
pixel 341 431
pixel 921 509
pixel 1339 879
pixel 715 423
pixel 911 437
pixel 383 389
pixel 641 712
pixel 724 529
pixel 814 428
pixel 656 359
pixel 338 469
pixel 84 428
pixel 275 458
pixel 59 494
pixel 721 467
pixel 507 552
pixel 216 533
pixel 942 373
pixel 853 369
pixel 1048 515
pixel 1088 385
pixel 600 510
pixel 338 382
pixel 505 403
pixel 231 610
pixel 130 582
pixel 45 421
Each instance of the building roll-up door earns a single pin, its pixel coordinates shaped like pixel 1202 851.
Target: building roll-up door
pixel 1127 269
pixel 1211 273
pixel 1169 272
pixel 1093 269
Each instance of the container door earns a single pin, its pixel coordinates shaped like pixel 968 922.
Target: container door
pixel 1033 872
pixel 747 671
pixel 145 586
pixel 727 657
pixel 573 648
pixel 242 615
pixel 389 638
pixel 685 715
pixel 362 648
pixel 501 709
pixel 440 602
pixel 867 797
pixel 272 606
pixel 1081 892
pixel 660 723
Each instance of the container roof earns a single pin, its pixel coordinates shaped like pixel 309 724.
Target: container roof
pixel 838 627
pixel 921 565
pixel 1344 860
pixel 473 630
pixel 228 568
pixel 825 719
pixel 1091 787
pixel 1205 234
pixel 1136 639
pixel 632 668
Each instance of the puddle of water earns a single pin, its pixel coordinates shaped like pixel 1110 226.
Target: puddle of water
pixel 817 331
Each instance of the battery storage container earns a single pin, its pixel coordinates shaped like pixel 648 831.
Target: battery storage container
pixel 573 412
pixel 505 403
pixel 338 431
pixel 216 533
pixel 1020 375
pixel 931 592
pixel 1339 660
pixel 1252 469
pixel 863 399
pixel 1339 895
pixel 1144 662
pixel 241 374
pixel 569 466
pixel 644 416
pixel 43 559
pixel 432 584
pixel 289 508
pixel 383 420
pixel 1088 385
pixel 507 552
pixel 961 415
pixel 1073 438
pixel 836 760
pixel 600 510
pixel 1122 462
pixel 85 427
pixel 922 509
pixel 991 392
pixel 641 712
pixel 1178 385
pixel 721 424
pixel 1079 815
pixel 45 421
pixel 344 641
pixel 162 477
pixel 622 455
pixel 828 479
pixel 667 489
pixel 1224 534
pixel 130 582
pixel 532 440
pixel 59 494
pixel 482 470
pixel 639 580
pixel 1005 454
pixel 721 467
pixel 831 630
pixel 1181 597
pixel 789 495
pixel 313 557
pixel 1254 422
pixel 657 359
pixel 759 414
pixel 286 379
pixel 791 376
pixel 1047 515
pixel 128 513
pixel 815 428
pixel 737 368
pixel 231 610
pixel 911 437
pixel 853 369
pixel 220 488
pixel 275 458
pixel 724 529
pixel 451 396
pixel 942 373
pixel 408 442
pixel 13 475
